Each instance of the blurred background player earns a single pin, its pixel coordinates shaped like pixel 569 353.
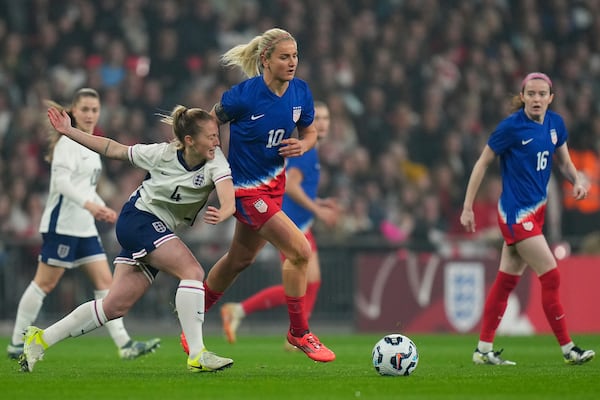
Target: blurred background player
pixel 181 175
pixel 69 233
pixel 525 142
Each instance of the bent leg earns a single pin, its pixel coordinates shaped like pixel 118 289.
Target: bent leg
pixel 245 245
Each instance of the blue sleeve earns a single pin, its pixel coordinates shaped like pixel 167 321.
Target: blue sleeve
pixel 308 109
pixel 562 131
pixel 232 103
pixel 502 138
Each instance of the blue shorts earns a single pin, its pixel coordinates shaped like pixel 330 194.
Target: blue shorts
pixel 70 251
pixel 139 233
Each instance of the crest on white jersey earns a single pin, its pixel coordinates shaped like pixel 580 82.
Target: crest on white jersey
pixel 63 250
pixel 261 206
pixel 199 180
pixel 553 136
pixel 296 111
pixel 159 226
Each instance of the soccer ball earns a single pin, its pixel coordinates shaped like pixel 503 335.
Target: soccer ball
pixel 395 355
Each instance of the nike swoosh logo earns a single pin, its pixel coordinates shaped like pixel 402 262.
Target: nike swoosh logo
pixel 524 142
pixel 255 117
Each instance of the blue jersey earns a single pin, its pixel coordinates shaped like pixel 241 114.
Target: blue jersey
pixel 259 121
pixel 526 149
pixel 309 165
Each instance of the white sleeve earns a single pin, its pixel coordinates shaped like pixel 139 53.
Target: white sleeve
pixel 146 156
pixel 63 166
pixel 63 185
pixel 220 169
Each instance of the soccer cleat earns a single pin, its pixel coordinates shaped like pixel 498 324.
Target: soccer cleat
pixel 579 356
pixel 312 347
pixel 14 351
pixel 33 348
pixel 134 349
pixel 231 315
pixel 287 346
pixel 490 358
pixel 208 361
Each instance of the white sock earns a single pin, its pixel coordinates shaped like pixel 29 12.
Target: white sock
pixel 567 347
pixel 115 327
pixel 189 303
pixel 28 310
pixel 485 347
pixel 82 320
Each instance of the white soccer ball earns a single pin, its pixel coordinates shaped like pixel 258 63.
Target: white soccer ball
pixel 395 355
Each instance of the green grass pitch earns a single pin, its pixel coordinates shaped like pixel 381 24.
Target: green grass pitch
pixel 88 368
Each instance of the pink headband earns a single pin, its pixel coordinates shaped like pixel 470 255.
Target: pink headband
pixel 536 75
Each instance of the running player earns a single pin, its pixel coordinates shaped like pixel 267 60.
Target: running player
pixel 263 111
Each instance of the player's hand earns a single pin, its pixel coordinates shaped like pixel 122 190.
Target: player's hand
pixel 328 212
pixel 467 220
pixel 60 120
pixel 581 187
pixel 100 212
pixel 212 215
pixel 291 147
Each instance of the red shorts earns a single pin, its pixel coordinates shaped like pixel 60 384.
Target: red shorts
pixel 529 227
pixel 255 211
pixel 311 240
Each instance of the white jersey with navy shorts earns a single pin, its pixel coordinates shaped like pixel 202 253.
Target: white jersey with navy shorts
pixel 69 230
pixel 170 196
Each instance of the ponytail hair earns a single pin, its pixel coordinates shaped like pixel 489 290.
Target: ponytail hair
pixel 186 121
pixel 248 57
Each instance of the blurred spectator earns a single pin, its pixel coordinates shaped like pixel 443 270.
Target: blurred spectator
pixel 416 86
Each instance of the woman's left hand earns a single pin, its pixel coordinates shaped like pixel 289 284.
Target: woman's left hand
pixel 291 147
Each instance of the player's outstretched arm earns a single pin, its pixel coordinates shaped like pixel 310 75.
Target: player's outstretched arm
pixel 101 145
pixel 226 196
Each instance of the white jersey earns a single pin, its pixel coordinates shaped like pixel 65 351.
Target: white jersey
pixel 74 175
pixel 173 191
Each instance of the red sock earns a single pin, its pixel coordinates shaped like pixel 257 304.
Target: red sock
pixel 312 290
pixel 495 304
pixel 267 298
pixel 210 297
pixel 553 308
pixel 298 321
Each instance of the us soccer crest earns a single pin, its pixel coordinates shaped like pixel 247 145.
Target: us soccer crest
pixel 464 286
pixel 296 111
pixel 199 180
pixel 553 136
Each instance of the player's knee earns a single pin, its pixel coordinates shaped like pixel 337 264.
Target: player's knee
pixel 300 256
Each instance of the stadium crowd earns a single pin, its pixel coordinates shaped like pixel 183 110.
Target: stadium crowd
pixel 414 88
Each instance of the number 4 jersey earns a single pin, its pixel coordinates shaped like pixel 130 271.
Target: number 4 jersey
pixel 525 148
pixel 172 190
